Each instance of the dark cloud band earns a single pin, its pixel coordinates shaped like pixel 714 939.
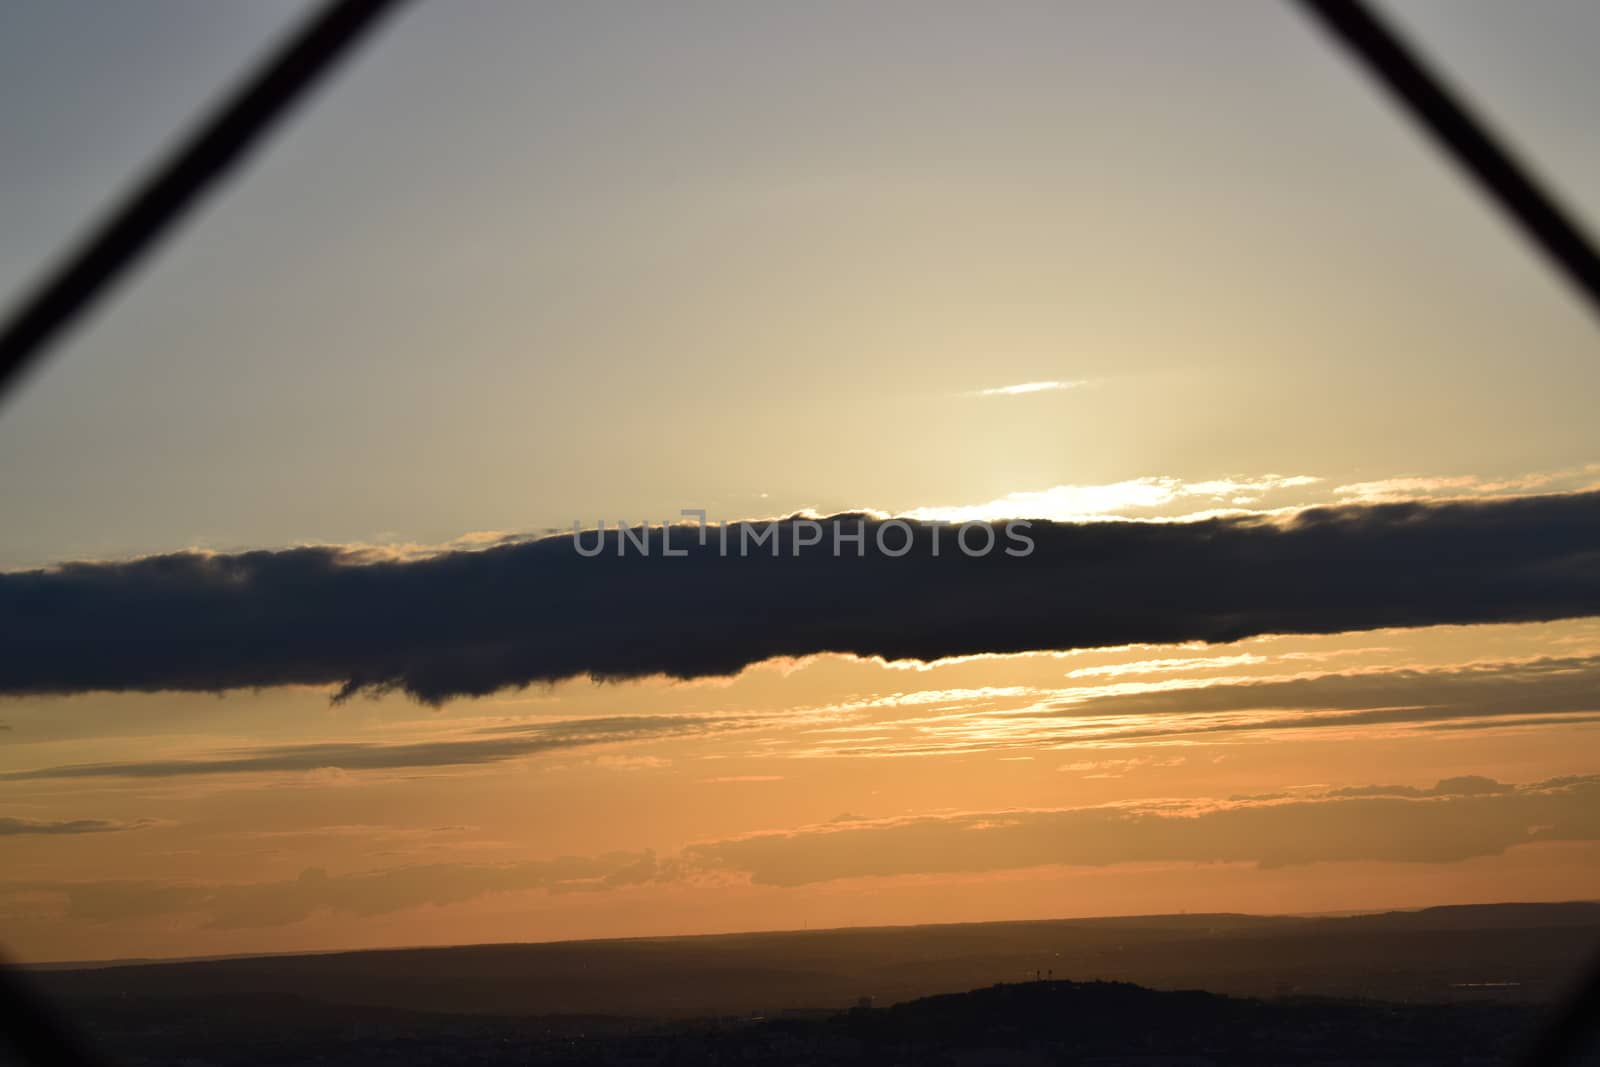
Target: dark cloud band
pixel 471 622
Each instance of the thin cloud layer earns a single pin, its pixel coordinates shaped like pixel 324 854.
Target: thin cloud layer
pixel 1552 685
pixel 263 904
pixel 1483 695
pixel 491 745
pixel 14 827
pixel 467 623
pixel 1420 486
pixel 1457 819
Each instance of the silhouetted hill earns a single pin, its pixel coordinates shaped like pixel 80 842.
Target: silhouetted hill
pixel 1103 1023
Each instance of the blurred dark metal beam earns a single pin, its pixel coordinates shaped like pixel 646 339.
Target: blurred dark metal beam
pixel 151 209
pixel 1467 141
pixel 1465 138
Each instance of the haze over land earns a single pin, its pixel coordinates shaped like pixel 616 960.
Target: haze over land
pixel 1435 986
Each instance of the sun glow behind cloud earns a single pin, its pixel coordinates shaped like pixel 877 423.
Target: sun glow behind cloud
pixel 1076 503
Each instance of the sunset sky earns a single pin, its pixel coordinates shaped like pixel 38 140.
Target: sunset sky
pixel 1159 280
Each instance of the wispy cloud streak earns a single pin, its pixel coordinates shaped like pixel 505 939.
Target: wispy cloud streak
pixel 14 827
pixel 499 744
pixel 1032 387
